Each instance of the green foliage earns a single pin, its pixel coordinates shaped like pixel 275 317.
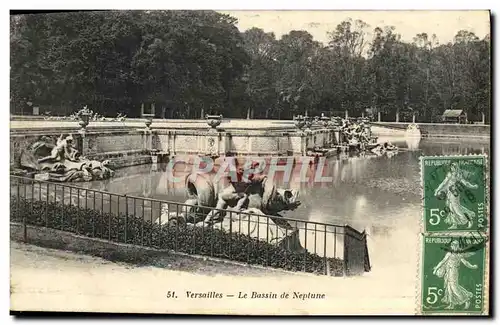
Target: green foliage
pixel 189 61
pixel 191 240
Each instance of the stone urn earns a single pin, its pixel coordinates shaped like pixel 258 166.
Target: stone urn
pixel 149 120
pixel 84 121
pixel 84 117
pixel 299 122
pixel 308 122
pixel 316 120
pixel 213 120
pixel 324 121
pixel 334 123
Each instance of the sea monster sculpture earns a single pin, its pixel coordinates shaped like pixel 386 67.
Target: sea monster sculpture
pixel 263 198
pixel 62 162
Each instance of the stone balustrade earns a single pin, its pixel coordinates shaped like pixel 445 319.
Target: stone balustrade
pixel 130 145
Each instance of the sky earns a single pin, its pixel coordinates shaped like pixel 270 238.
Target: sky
pixel 445 24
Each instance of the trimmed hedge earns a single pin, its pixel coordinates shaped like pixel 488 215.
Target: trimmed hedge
pixel 187 239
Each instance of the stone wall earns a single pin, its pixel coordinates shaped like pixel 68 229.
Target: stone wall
pixel 443 130
pixel 132 146
pixel 116 141
pixel 241 142
pixel 122 148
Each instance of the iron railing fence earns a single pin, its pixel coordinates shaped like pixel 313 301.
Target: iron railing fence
pixel 293 244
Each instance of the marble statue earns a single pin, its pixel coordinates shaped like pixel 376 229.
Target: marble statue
pixel 259 194
pixel 262 197
pixel 62 162
pixel 358 135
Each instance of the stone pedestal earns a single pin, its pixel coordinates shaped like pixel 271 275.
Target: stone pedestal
pixel 249 144
pixel 154 160
pixel 303 144
pixel 147 139
pixel 154 156
pixel 223 144
pixel 85 145
pixel 336 135
pixel 171 142
pixel 212 143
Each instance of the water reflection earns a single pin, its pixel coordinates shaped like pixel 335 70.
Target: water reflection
pixel 413 143
pixel 367 192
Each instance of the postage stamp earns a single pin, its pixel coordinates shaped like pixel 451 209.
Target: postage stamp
pixel 453 272
pixel 454 193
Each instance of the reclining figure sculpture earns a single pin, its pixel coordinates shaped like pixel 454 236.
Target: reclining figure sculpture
pixel 62 162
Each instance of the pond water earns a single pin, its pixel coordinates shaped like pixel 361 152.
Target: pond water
pixel 370 192
pixel 379 194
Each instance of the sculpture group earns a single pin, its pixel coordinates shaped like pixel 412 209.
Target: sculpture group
pixel 357 133
pixel 236 199
pixel 62 162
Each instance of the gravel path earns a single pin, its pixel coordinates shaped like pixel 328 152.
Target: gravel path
pixel 55 280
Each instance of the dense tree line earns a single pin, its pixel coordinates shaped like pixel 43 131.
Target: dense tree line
pixel 186 62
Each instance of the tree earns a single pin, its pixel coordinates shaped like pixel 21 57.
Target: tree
pixel 259 77
pixel 186 62
pixel 348 43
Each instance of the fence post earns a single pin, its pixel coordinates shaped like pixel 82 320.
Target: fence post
pixel 25 232
pixel 324 250
pixel 126 217
pixel 305 246
pixel 367 265
pixel 346 251
pixel 46 212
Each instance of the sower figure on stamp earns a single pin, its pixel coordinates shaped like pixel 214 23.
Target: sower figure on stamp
pixel 448 269
pixel 451 188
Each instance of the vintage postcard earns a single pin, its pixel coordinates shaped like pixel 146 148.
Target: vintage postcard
pixel 250 162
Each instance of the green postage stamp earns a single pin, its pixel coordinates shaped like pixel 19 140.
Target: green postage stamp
pixel 454 193
pixel 453 271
